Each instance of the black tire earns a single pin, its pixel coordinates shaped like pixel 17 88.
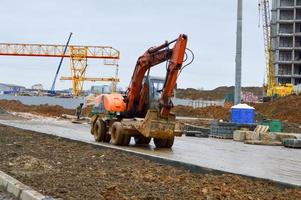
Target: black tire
pixel 141 140
pixel 169 142
pixel 92 130
pixel 126 140
pixel 100 131
pixel 93 121
pixel 108 138
pixel 164 143
pixel 117 136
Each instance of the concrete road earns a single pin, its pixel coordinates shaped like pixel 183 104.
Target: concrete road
pixel 273 163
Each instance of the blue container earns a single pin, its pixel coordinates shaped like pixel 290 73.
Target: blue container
pixel 242 114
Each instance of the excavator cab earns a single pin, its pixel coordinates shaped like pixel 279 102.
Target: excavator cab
pixel 153 92
pixel 155 85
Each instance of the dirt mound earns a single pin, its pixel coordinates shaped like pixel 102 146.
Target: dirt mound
pixel 30 164
pixel 286 109
pixel 216 112
pixel 46 110
pixel 217 93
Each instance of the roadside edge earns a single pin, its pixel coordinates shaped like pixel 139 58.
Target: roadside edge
pixel 20 190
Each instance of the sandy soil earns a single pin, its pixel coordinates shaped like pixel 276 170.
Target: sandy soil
pixel 70 170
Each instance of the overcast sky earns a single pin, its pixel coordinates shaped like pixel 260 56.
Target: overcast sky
pixel 132 26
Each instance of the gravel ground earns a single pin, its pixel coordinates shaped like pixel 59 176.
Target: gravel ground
pixel 5 196
pixel 71 170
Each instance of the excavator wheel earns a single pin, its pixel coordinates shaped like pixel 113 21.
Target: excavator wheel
pixel 169 142
pixel 140 140
pixel 164 143
pixel 108 138
pixel 126 140
pixel 117 135
pixel 100 131
pixel 93 121
pixel 92 130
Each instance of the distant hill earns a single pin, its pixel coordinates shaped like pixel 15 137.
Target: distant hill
pixel 217 93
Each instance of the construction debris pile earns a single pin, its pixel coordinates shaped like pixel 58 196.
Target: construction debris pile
pixel 82 171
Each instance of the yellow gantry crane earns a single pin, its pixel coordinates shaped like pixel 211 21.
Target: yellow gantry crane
pixel 271 87
pixel 78 55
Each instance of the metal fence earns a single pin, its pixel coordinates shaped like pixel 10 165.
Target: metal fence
pixel 72 103
pixel 198 103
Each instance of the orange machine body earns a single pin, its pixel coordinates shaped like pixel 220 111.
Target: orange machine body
pixel 111 102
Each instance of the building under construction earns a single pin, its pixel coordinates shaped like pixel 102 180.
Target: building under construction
pixel 286 34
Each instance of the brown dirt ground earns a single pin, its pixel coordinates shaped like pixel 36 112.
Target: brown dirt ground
pixel 46 110
pixel 216 112
pixel 217 93
pixel 71 170
pixel 287 108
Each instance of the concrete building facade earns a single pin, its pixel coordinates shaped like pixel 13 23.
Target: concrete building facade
pixel 286 40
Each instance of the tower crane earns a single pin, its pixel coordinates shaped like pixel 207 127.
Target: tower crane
pixel 78 58
pixel 271 87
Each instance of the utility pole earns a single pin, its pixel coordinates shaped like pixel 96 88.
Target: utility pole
pixel 237 92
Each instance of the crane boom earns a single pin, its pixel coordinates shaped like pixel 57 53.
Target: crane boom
pixel 60 64
pixel 54 50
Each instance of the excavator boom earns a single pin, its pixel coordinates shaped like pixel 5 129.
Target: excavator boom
pixel 175 65
pixel 151 58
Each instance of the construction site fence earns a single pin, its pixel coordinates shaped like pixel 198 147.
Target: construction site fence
pixel 200 103
pixel 72 103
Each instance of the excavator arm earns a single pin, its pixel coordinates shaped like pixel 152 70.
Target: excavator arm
pixel 152 57
pixel 175 65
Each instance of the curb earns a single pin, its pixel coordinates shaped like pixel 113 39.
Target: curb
pixel 19 190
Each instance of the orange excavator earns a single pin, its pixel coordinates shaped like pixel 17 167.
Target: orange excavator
pixel 144 111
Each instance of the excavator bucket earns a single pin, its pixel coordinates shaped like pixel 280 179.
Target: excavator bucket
pixel 155 126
